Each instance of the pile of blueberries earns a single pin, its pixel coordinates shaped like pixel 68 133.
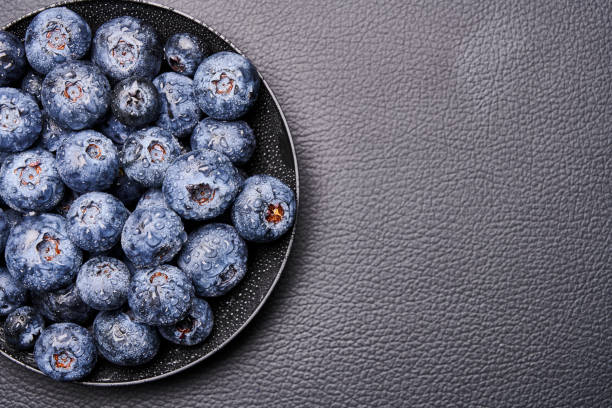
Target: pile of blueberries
pixel 100 183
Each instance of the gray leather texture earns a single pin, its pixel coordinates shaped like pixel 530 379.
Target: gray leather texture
pixel 455 228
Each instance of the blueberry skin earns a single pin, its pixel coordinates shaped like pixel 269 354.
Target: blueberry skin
pixel 5 228
pixel 22 327
pixel 135 101
pixel 184 53
pixel 95 221
pixel 194 328
pixel 20 120
pixel 127 46
pixel 12 293
pixel 152 198
pixel 62 305
pixel 152 236
pixel 29 181
pixel 226 85
pixel 201 184
pixel 55 36
pixel 103 283
pixel 131 267
pixel 13 62
pixel 87 161
pixel 13 218
pixel 40 255
pixel 264 210
pixel 116 131
pixel 216 259
pixel 234 139
pixel 160 296
pixel 76 94
pixel 179 111
pixel 52 134
pixel 65 352
pixel 123 341
pixel 32 84
pixel 125 189
pixel 146 155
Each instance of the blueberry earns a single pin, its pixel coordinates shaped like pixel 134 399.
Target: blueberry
pixel 179 111
pixel 22 327
pixel 62 305
pixel 201 184
pixel 12 293
pixel 194 328
pixel 40 255
pixel 52 134
pixel 135 101
pixel 147 154
pixel 103 283
pixel 160 296
pixel 125 189
pixel 264 210
pixel 65 352
pixel 20 120
pixel 234 139
pixel 127 46
pixel 29 181
pixel 216 259
pixel 76 94
pixel 87 161
pixel 184 52
pixel 226 85
pixel 54 36
pixel 152 198
pixel 32 84
pixel 116 131
pixel 123 341
pixel 95 220
pixel 12 58
pixel 152 236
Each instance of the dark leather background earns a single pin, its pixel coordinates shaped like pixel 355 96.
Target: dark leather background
pixel 455 231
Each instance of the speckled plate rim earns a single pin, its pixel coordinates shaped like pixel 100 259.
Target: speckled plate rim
pixel 297 197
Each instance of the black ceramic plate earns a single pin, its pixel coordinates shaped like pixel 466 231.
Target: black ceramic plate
pixel 274 155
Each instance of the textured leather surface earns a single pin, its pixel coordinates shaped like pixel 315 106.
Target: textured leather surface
pixel 455 228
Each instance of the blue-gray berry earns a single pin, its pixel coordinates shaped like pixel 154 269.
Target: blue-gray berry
pixel 20 120
pixel 264 210
pixel 54 36
pixel 76 94
pixel 40 255
pixel 215 257
pixel 201 184
pixel 87 161
pixel 103 283
pixel 160 296
pixel 147 154
pixel 194 328
pixel 127 46
pixel 65 352
pixel 123 341
pixel 234 139
pixel 22 327
pixel 152 236
pixel 226 85
pixel 95 221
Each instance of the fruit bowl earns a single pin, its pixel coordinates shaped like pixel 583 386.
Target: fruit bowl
pixel 274 155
